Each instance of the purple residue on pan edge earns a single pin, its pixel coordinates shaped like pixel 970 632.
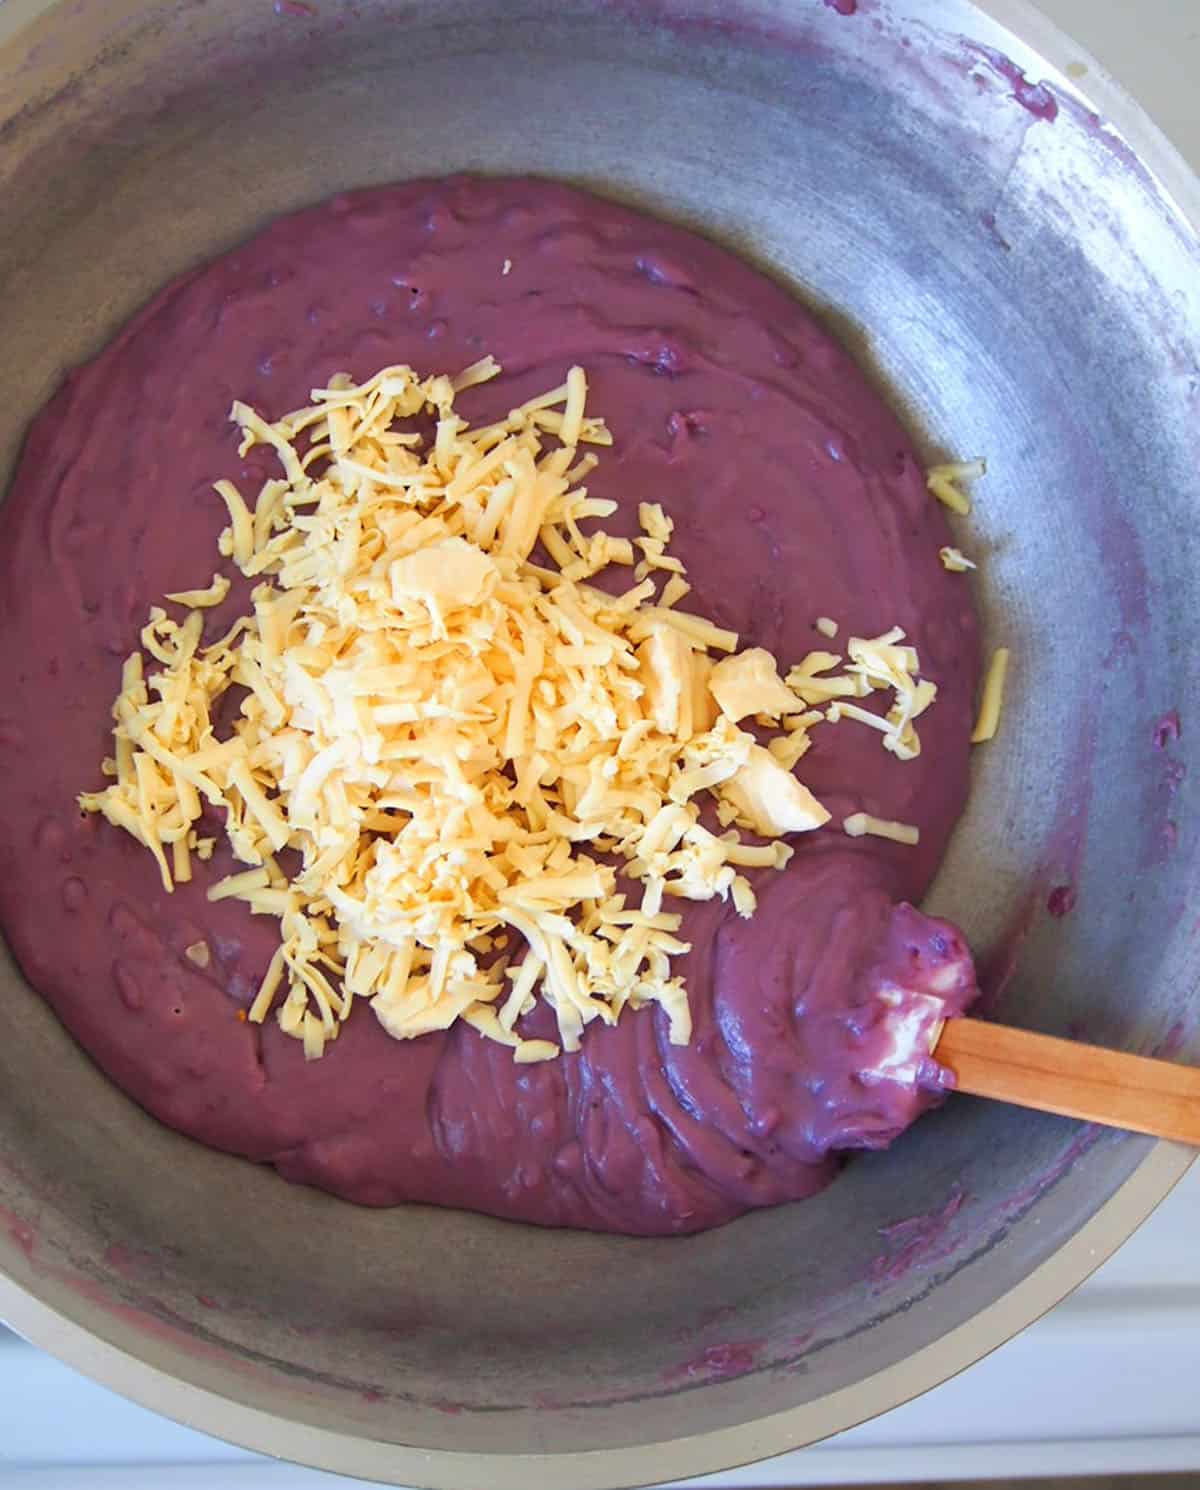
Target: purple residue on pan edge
pixel 1062 901
pixel 719 1362
pixel 1167 730
pixel 997 965
pixel 1163 789
pixel 19 1230
pixel 1034 98
pixel 917 1240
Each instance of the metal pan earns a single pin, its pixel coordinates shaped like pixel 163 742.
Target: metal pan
pixel 1017 263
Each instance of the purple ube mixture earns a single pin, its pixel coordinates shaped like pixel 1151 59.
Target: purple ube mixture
pixel 795 494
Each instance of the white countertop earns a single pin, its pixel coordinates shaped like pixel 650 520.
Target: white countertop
pixel 1106 1383
pixel 1151 47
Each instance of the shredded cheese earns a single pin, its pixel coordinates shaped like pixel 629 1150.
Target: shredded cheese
pixel 955 561
pixel 200 599
pixel 860 824
pixel 943 481
pixel 459 747
pixel 949 495
pixel 826 626
pixel 876 663
pixel 992 702
pixel 961 470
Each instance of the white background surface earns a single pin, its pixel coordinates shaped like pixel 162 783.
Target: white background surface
pixel 1152 47
pixel 1105 1383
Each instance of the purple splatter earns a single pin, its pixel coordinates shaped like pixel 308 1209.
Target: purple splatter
pixel 719 1362
pixel 128 1261
pixel 996 966
pixel 1172 1042
pixel 299 8
pixel 843 7
pixel 1167 730
pixel 1018 1203
pixel 1162 831
pixel 920 1240
pixel 1034 98
pixel 20 1231
pixel 988 219
pixel 1062 901
pixel 721 1314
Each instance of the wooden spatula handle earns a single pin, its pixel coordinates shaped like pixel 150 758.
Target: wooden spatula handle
pixel 1074 1080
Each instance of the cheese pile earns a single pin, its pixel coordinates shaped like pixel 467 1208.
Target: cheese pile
pixel 458 746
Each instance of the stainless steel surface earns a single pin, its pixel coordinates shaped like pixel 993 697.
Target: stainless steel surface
pixel 1024 288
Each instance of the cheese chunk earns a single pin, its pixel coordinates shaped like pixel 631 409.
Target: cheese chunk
pixel 749 683
pixel 666 673
pixel 770 800
pixel 446 574
pixel 704 705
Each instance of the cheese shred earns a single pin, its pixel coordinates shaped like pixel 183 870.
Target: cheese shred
pixel 944 483
pixel 956 561
pixel 862 824
pixel 992 703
